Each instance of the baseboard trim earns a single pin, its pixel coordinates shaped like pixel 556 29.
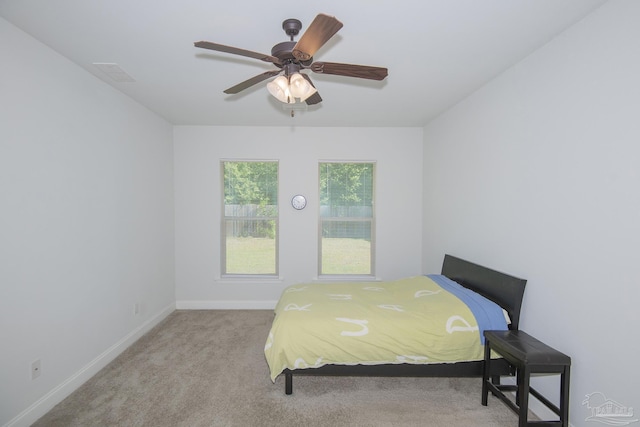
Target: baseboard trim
pixel 59 393
pixel 225 305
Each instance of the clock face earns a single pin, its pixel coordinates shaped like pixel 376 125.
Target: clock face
pixel 299 201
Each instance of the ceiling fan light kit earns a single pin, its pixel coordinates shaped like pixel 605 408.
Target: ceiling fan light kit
pixel 291 57
pixel 286 88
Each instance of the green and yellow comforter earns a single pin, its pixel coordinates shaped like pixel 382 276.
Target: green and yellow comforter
pixel 415 320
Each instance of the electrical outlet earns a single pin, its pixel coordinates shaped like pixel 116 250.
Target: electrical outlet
pixel 36 369
pixel 136 309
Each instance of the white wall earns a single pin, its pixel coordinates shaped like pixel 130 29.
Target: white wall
pixel 86 224
pixel 197 153
pixel 537 174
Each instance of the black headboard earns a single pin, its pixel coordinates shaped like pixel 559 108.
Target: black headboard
pixel 503 289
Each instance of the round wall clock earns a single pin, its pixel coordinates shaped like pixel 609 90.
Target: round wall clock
pixel 299 201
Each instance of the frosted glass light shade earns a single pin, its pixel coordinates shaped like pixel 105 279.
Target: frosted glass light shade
pixel 300 87
pixel 288 89
pixel 279 88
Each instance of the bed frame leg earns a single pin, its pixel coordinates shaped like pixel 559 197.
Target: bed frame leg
pixel 288 382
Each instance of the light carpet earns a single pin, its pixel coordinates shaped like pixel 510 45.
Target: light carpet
pixel 207 368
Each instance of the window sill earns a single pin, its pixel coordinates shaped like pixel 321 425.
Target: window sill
pixel 248 279
pixel 346 278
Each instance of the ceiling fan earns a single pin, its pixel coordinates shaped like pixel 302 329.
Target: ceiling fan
pixel 291 57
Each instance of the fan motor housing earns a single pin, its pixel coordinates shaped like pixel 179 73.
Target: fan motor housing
pixel 283 51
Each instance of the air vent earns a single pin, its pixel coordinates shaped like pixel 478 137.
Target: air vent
pixel 114 72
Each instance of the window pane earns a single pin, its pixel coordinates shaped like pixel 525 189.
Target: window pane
pixel 346 190
pixel 346 247
pixel 251 247
pixel 251 183
pixel 250 217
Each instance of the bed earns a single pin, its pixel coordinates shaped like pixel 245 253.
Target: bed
pixel 422 326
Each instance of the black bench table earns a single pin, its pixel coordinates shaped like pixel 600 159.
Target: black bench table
pixel 528 356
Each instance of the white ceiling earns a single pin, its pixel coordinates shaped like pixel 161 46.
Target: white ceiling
pixel 437 52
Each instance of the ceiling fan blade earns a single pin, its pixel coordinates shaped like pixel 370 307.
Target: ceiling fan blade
pixel 252 81
pixel 350 70
pixel 236 51
pixel 315 98
pixel 322 28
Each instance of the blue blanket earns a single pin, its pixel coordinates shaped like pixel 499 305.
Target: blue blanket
pixel 487 313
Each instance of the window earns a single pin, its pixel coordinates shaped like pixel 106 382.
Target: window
pixel 250 220
pixel 346 219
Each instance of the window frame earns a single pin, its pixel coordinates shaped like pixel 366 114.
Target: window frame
pixel 372 220
pixel 223 224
